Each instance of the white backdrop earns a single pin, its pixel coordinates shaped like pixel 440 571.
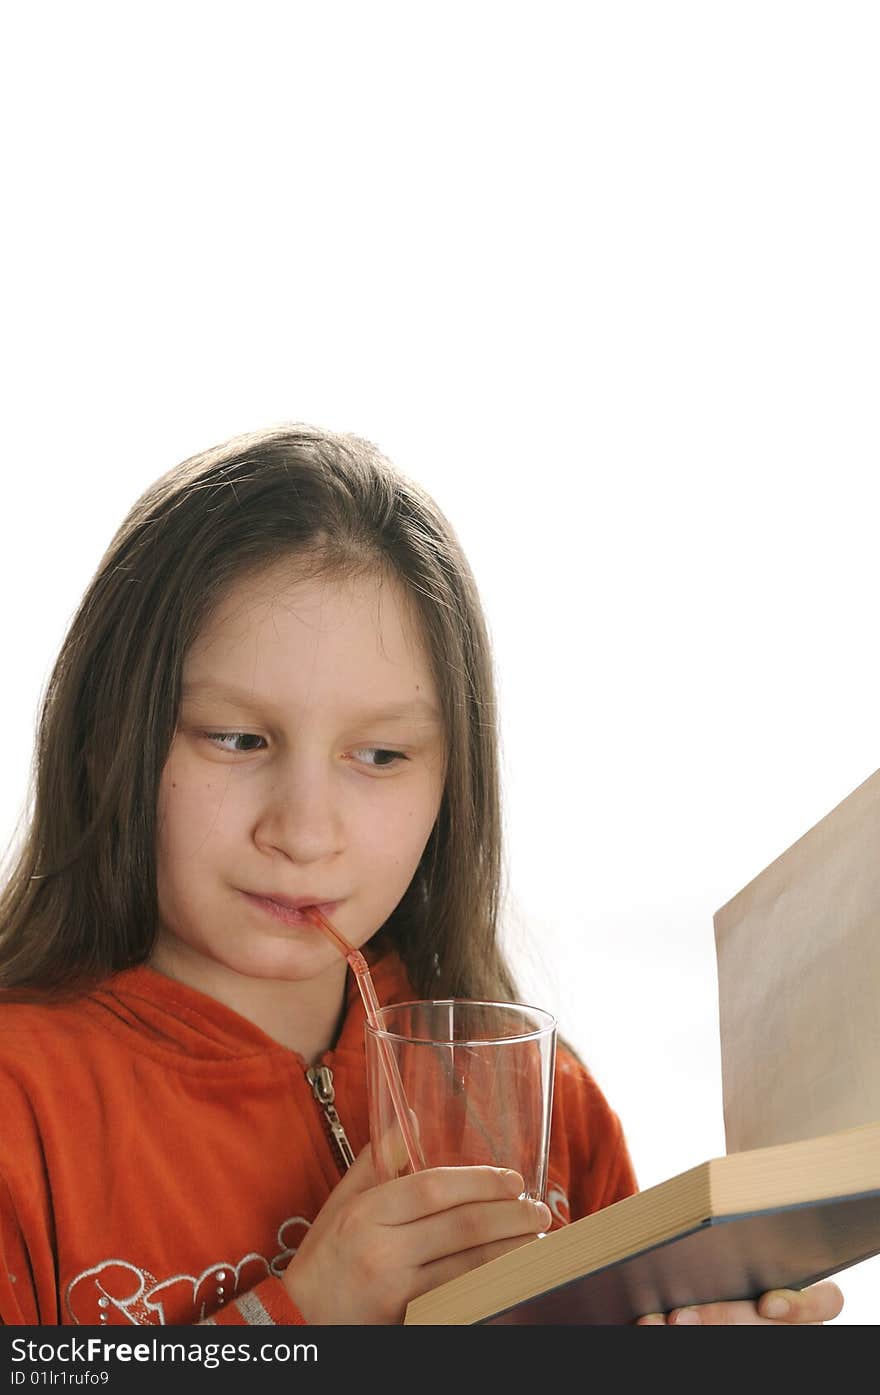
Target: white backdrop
pixel 603 277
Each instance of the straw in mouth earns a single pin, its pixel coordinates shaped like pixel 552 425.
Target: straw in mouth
pixel 364 978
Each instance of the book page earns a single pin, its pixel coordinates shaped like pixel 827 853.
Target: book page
pixel 798 954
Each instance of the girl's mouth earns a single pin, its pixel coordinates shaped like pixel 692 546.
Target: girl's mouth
pixel 289 915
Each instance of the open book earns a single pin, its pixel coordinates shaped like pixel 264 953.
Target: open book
pixel 796 1197
pixel 778 1217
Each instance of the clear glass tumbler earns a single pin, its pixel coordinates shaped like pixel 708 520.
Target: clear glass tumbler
pixel 478 1082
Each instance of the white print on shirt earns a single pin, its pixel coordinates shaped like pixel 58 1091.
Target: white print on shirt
pixel 559 1203
pixel 116 1291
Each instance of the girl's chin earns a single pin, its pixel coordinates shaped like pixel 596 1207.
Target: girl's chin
pixel 287 963
pixel 292 960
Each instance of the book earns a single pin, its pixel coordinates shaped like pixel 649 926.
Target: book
pixel 798 957
pixel 796 1196
pixel 732 1227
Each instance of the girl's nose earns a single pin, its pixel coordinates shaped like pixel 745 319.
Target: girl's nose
pixel 300 817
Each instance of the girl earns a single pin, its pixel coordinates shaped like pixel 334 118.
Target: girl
pixel 277 691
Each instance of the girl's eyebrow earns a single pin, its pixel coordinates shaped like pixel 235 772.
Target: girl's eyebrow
pixel 247 699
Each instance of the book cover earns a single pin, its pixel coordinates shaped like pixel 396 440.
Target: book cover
pixel 798 956
pixel 732 1227
pixel 796 1198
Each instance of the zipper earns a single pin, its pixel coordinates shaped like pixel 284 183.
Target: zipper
pixel 321 1080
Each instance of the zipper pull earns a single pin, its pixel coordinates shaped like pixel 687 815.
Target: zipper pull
pixel 321 1080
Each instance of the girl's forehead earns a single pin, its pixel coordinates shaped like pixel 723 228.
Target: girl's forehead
pixel 281 605
pixel 285 586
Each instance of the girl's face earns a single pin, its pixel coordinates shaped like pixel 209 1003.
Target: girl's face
pixel 308 762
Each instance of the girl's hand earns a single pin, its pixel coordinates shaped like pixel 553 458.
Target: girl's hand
pixel 779 1308
pixel 372 1247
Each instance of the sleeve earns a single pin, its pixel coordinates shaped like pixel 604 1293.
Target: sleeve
pixel 590 1165
pixel 265 1305
pixel 18 1296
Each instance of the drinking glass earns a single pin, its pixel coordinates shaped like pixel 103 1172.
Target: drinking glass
pixel 477 1078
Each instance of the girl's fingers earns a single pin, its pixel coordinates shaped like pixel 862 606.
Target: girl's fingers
pixel 440 1189
pixel 476 1225
pixel 819 1303
pixel 392 1149
pixel 736 1313
pixel 360 1177
pixel 430 1275
pixel 781 1307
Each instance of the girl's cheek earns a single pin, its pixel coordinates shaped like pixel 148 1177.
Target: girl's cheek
pixel 192 811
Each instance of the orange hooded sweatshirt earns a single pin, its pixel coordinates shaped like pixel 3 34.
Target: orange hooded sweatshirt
pixel 161 1157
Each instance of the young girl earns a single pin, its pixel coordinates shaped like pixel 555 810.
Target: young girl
pixel 277 692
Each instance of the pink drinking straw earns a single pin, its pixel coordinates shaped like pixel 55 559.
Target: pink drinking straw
pixel 364 978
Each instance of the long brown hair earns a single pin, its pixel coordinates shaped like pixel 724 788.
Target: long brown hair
pixel 80 901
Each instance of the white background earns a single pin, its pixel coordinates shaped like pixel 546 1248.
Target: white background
pixel 604 278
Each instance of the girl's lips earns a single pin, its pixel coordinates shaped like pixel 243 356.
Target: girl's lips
pixel 288 914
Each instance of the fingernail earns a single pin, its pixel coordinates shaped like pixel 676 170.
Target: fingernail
pixel 514 1181
pixel 687 1317
pixel 544 1216
pixel 652 1320
pixel 776 1307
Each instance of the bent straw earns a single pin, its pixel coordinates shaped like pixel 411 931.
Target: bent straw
pixel 371 1004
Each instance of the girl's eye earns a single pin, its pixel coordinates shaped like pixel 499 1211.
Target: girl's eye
pixel 243 743
pixel 379 751
pixel 220 738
